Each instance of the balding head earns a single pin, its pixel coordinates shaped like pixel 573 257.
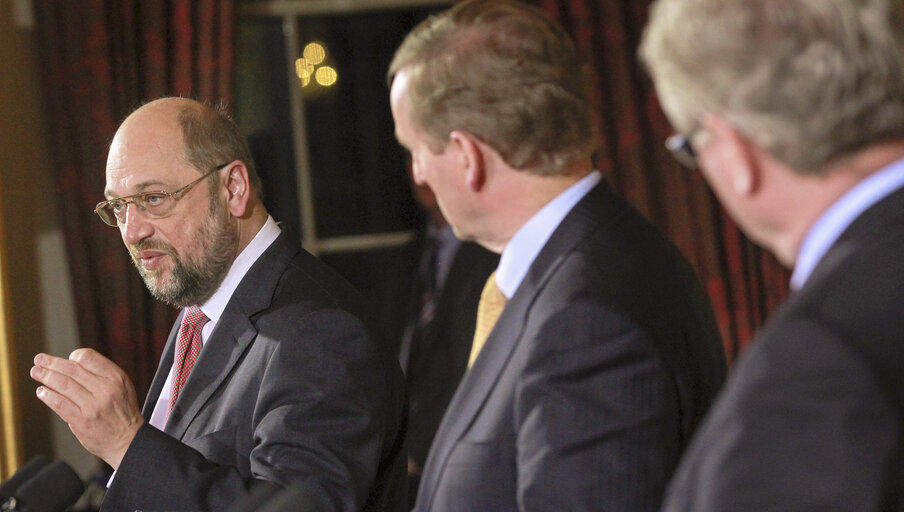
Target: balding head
pixel 208 136
pixel 182 242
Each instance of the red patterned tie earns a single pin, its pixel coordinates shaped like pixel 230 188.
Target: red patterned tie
pixel 188 346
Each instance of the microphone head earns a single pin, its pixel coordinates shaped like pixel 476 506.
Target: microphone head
pixel 54 489
pixel 10 486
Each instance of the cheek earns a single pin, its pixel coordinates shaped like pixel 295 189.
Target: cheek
pixel 715 173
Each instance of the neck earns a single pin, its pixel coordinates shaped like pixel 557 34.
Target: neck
pixel 822 191
pixel 517 197
pixel 249 225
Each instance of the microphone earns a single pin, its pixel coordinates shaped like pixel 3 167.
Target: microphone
pixel 55 488
pixel 30 469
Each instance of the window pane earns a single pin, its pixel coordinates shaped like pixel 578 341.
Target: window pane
pixel 358 170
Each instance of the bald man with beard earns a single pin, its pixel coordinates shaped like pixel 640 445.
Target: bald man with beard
pixel 283 384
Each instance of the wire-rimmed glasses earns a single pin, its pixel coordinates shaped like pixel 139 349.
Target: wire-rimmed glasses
pixel 154 204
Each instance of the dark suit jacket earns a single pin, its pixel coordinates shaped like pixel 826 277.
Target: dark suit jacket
pixel 808 420
pixel 591 382
pixel 289 388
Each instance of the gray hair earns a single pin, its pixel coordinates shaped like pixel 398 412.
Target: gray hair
pixel 809 81
pixel 211 138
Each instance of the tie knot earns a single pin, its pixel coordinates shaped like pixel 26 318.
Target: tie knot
pixel 194 318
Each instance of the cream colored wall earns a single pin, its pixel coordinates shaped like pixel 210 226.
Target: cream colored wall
pixel 40 296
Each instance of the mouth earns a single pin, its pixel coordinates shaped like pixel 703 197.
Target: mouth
pixel 150 260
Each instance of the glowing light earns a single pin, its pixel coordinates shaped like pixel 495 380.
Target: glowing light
pixel 314 53
pixel 304 68
pixel 312 66
pixel 326 76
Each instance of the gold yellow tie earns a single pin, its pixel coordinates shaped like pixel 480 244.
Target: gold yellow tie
pixel 491 304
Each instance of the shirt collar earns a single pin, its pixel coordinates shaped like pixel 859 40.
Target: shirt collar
pixel 215 306
pixel 832 223
pixel 521 251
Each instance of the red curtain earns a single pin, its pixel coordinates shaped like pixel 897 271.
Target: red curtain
pixel 100 60
pixel 743 281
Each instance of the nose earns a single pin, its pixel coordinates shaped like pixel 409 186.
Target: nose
pixel 135 227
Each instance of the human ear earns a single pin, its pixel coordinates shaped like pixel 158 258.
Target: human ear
pixel 471 157
pixel 734 154
pixel 238 188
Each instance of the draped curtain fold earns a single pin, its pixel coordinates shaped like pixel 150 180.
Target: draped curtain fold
pixel 100 60
pixel 744 282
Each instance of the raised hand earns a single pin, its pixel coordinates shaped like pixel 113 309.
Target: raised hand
pixel 95 397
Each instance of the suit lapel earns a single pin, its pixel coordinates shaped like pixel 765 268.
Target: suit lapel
pixel 232 335
pixel 479 381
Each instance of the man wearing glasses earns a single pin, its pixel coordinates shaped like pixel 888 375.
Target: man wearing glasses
pixel 794 111
pixel 270 374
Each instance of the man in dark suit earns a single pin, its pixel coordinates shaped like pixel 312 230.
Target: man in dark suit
pixel 289 387
pixel 795 112
pixel 605 354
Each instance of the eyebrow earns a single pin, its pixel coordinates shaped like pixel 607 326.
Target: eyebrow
pixel 140 189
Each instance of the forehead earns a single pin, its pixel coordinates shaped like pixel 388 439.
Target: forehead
pixel 398 102
pixel 146 154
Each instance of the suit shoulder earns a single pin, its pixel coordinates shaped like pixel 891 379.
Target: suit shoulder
pixel 308 279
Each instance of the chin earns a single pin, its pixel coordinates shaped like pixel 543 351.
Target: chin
pixel 461 235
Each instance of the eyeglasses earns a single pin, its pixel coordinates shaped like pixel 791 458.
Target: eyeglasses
pixel 153 204
pixel 681 149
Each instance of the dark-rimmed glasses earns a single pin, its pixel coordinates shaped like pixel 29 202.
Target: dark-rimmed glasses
pixel 154 204
pixel 680 147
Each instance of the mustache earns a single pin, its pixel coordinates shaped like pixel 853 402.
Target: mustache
pixel 145 245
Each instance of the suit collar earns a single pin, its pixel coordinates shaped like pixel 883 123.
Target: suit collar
pixel 833 222
pixel 526 244
pixel 263 239
pixel 868 228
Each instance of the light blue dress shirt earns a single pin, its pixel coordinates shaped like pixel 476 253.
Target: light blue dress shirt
pixel 832 223
pixel 521 251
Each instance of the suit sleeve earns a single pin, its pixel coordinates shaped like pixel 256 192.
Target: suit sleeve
pixel 316 422
pixel 593 421
pixel 801 426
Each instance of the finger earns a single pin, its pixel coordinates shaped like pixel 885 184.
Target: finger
pixel 73 369
pixel 65 408
pixel 94 362
pixel 117 387
pixel 67 377
pixel 62 384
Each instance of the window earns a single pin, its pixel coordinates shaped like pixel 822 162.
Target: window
pixel 311 96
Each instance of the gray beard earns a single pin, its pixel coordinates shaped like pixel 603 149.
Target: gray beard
pixel 192 283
